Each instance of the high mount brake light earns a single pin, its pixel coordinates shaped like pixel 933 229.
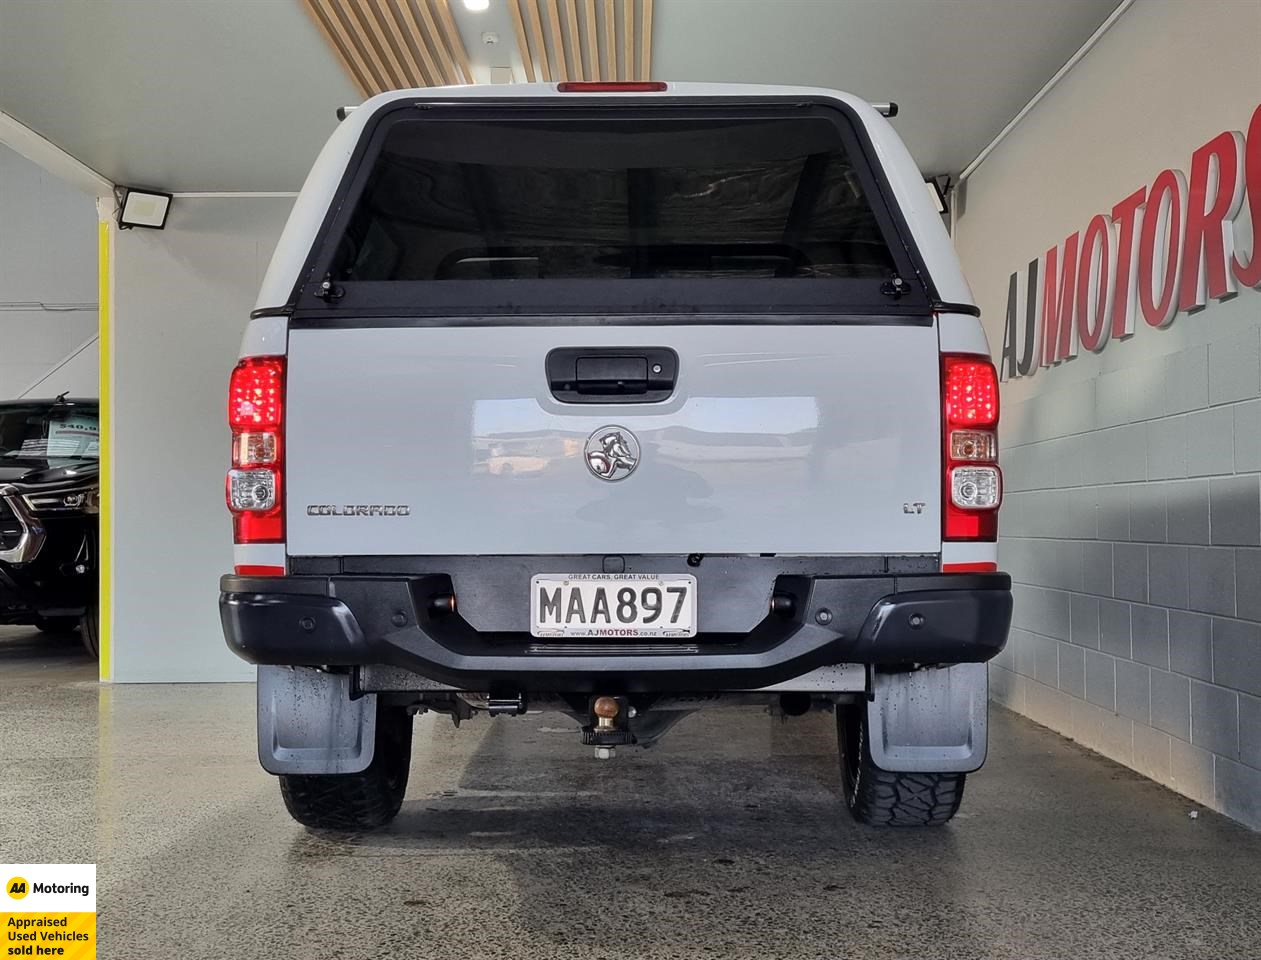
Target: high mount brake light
pixel 972 484
pixel 601 86
pixel 256 413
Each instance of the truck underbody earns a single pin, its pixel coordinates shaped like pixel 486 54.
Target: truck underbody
pixel 787 633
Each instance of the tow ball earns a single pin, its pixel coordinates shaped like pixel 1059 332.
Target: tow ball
pixel 608 727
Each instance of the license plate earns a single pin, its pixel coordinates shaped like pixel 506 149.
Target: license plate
pixel 614 605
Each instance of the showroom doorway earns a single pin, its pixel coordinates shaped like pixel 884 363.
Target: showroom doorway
pixel 50 433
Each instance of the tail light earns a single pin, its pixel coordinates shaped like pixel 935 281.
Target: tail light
pixel 256 408
pixel 972 486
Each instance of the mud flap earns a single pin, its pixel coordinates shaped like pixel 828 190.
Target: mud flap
pixel 307 722
pixel 929 721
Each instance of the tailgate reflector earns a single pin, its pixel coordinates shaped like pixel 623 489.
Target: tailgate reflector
pixel 259 570
pixel 969 567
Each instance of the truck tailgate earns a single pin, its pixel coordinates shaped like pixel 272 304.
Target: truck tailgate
pixel 816 437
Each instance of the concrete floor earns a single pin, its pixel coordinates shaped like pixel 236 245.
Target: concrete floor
pixel 726 841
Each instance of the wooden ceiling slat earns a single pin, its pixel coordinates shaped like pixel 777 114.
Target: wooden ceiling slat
pixel 535 10
pixel 452 33
pixel 518 26
pixel 558 46
pixel 390 44
pixel 413 38
pixel 610 42
pixel 334 33
pixel 573 39
pixel 433 47
pixel 375 45
pixel 417 76
pixel 430 37
pixel 592 46
pixel 628 41
pixel 645 40
pixel 362 44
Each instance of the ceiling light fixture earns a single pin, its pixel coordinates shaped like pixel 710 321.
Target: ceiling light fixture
pixel 477 6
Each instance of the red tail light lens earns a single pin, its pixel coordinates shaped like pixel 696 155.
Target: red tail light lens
pixel 258 570
pixel 256 396
pixel 256 406
pixel 972 484
pixel 970 391
pixel 250 527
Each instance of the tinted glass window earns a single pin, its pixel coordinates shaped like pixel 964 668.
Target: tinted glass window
pixel 603 198
pixel 43 433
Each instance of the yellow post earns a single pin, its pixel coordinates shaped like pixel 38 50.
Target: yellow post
pixel 104 558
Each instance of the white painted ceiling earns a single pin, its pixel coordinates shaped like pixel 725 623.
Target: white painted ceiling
pixel 238 95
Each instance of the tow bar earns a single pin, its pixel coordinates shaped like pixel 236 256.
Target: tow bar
pixel 608 729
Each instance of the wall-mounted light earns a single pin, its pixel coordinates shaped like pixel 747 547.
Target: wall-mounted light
pixel 477 6
pixel 141 208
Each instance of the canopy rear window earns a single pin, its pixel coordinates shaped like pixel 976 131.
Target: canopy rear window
pixel 491 208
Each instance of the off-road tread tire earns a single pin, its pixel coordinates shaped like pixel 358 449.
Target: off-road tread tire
pixel 90 632
pixel 357 802
pixel 881 798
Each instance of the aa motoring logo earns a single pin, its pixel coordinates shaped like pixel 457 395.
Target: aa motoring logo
pixel 1168 247
pixel 18 887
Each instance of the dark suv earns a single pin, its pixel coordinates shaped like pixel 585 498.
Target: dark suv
pixel 49 501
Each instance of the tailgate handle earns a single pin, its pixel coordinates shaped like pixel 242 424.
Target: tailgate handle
pixel 612 374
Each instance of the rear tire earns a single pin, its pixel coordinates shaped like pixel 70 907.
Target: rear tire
pixel 90 632
pixel 881 798
pixel 56 625
pixel 357 802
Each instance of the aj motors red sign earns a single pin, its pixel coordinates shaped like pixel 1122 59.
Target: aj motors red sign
pixel 1172 245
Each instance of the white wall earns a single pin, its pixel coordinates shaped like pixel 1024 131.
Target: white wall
pixel 78 374
pixel 1132 521
pixel 48 283
pixel 182 297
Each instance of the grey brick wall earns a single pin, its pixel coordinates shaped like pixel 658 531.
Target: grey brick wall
pixel 1132 531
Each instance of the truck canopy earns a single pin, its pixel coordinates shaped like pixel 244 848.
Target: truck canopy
pixel 723 288
pixel 753 184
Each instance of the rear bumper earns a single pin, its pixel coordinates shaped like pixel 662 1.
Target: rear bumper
pixel 365 620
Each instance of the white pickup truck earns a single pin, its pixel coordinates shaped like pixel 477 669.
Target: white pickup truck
pixel 618 400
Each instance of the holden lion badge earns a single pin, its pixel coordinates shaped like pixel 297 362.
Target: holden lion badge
pixel 612 453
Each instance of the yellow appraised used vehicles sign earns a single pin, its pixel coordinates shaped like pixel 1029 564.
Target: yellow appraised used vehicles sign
pixel 49 910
